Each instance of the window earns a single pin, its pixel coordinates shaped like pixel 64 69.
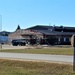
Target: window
pixel 64 39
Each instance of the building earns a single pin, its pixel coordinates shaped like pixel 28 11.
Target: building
pixel 51 35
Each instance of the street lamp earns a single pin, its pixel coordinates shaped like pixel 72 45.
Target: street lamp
pixel 0 29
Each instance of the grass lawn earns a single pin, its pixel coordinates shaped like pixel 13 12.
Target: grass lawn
pixel 14 67
pixel 50 50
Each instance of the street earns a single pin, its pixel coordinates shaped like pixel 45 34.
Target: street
pixel 38 57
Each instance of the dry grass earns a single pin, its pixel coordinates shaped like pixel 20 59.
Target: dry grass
pixel 50 50
pixel 14 67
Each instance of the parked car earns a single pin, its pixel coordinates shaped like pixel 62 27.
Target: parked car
pixel 19 42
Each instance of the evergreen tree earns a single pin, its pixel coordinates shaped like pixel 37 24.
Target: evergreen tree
pixel 18 27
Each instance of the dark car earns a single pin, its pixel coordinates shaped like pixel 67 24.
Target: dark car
pixel 19 42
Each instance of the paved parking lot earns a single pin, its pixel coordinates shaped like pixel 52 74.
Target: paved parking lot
pixel 13 47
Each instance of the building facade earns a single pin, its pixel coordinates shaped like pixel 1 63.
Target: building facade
pixel 51 35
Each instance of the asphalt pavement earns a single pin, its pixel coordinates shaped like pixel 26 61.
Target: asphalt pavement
pixel 38 57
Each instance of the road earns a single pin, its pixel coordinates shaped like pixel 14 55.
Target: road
pixel 38 57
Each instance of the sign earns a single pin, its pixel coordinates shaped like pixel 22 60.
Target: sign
pixel 73 41
pixel 73 45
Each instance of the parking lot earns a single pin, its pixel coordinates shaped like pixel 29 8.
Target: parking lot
pixel 13 47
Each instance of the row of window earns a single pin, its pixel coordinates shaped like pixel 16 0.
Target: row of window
pixel 64 39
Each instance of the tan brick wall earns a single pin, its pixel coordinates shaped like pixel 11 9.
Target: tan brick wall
pixel 22 34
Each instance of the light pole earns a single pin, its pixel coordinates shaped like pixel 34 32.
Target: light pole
pixel 0 29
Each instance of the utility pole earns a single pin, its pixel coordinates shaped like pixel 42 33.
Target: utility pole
pixel 0 29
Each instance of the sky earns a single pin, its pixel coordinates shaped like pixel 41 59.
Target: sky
pixel 28 13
